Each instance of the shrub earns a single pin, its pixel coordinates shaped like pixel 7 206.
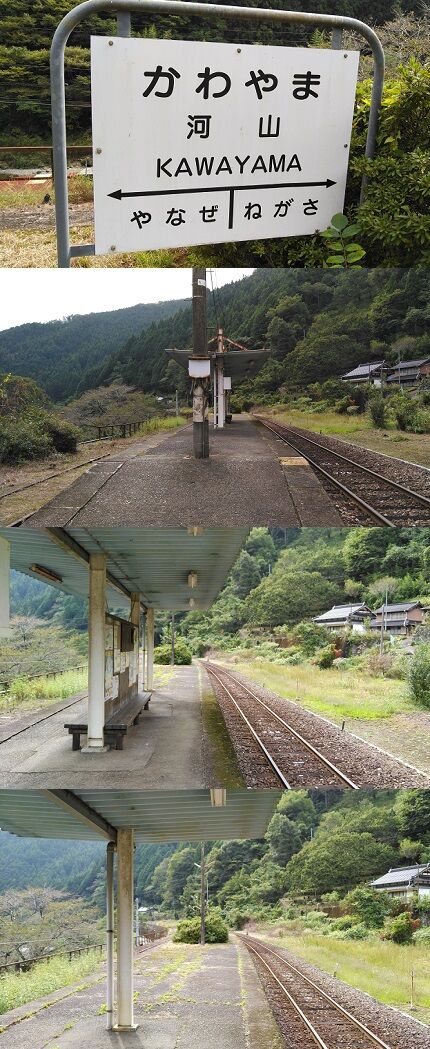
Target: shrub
pixel 188 930
pixel 183 656
pixel 400 929
pixel 324 659
pixel 419 676
pixel 64 436
pixel 377 409
pixel 422 937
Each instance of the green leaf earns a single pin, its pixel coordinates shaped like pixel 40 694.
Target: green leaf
pixel 340 222
pixel 351 249
pixel 334 260
pixel 351 231
pixel 356 255
pixel 329 234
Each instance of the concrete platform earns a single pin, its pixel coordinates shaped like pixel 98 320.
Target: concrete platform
pixel 180 742
pixel 186 998
pixel 251 478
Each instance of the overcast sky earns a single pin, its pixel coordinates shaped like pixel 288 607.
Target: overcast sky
pixel 44 295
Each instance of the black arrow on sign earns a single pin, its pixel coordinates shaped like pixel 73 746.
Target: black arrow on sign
pixel 119 194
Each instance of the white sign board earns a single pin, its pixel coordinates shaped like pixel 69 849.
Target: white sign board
pixel 199 143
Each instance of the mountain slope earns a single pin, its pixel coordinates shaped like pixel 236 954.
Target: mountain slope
pixel 57 353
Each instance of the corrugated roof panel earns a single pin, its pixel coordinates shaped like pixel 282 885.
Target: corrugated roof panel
pixel 157 816
pixel 153 561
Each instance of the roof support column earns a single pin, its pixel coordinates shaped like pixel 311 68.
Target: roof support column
pixel 125 912
pixel 96 654
pixel 221 398
pixel 4 588
pixel 135 620
pixel 110 854
pixel 150 649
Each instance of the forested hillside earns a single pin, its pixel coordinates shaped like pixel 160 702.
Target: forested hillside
pixel 57 353
pixel 317 325
pixel 26 32
pixel 317 842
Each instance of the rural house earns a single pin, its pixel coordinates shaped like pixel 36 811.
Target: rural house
pixel 358 617
pixel 403 882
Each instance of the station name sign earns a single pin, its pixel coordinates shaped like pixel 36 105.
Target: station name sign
pixel 197 143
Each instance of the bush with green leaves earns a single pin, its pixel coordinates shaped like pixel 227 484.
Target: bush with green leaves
pixel 324 659
pixel 422 937
pixel 188 931
pixel 377 409
pixel 183 655
pixel 419 676
pixel 368 906
pixel 342 243
pixel 400 929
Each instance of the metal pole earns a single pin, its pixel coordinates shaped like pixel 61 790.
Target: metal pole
pixel 176 403
pixel 96 654
pixel 110 853
pixel 202 896
pixel 200 387
pixel 172 657
pixel 179 7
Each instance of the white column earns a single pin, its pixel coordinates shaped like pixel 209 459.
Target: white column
pixel 125 906
pixel 110 853
pixel 96 654
pixel 135 620
pixel 150 649
pixel 4 588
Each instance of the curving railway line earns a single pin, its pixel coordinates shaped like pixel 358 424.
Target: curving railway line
pixel 305 1011
pixel 273 751
pixel 367 488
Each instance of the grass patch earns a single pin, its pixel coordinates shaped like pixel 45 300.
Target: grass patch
pixel 171 422
pixel 23 194
pixel 379 968
pixel 44 978
pixel 333 693
pixel 321 422
pixel 359 430
pixel 26 693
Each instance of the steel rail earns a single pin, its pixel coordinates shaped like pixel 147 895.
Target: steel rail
pixel 365 469
pixel 325 761
pixel 70 469
pixel 311 983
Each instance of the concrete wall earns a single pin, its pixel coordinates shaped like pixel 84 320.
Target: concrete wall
pixel 121 668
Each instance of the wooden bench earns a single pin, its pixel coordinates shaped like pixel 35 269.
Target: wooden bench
pixel 117 725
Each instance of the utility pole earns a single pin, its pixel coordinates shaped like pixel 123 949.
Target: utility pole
pixel 202 896
pixel 383 624
pixel 176 403
pixel 200 372
pixel 172 657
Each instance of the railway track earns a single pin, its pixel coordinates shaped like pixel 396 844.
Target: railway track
pixel 308 1013
pixel 61 473
pixel 372 496
pixel 271 748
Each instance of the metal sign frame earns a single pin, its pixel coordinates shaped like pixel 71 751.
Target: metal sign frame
pixel 124 9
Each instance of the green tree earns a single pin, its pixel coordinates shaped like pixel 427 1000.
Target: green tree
pixel 245 574
pixel 337 861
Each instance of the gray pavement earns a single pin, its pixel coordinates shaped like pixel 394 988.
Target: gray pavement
pixel 251 478
pixel 170 747
pixel 187 997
